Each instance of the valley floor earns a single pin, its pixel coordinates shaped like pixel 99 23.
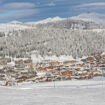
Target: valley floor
pixel 75 92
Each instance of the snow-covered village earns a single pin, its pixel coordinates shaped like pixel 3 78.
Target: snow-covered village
pixel 24 70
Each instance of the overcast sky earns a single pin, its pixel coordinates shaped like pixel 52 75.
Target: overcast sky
pixel 33 10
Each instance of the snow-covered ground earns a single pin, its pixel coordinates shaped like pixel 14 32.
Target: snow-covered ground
pixel 12 27
pixel 61 58
pixel 86 92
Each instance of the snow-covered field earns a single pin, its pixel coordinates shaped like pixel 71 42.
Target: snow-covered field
pixel 85 92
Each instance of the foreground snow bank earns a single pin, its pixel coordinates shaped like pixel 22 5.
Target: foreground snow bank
pixel 36 94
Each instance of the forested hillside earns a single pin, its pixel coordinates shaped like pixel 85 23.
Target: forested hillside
pixel 52 41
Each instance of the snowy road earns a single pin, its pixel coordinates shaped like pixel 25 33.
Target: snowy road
pixel 76 93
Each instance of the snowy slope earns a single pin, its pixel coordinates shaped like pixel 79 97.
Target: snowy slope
pixel 94 17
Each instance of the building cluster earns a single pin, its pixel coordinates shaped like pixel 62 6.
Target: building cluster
pixel 86 68
pixel 15 71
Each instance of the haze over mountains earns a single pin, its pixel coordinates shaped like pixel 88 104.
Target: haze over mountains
pixel 94 17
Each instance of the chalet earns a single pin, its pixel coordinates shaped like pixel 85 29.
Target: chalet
pixel 103 59
pixel 66 73
pixel 49 67
pixel 8 68
pixel 2 75
pixel 77 69
pixel 84 60
pixel 2 71
pixel 72 61
pixel 85 73
pixel 20 66
pixel 31 67
pixel 24 72
pixel 11 83
pixel 40 79
pixel 27 61
pixel 43 64
pixel 102 65
pixel 80 65
pixel 81 77
pixel 41 69
pixel 90 59
pixel 19 62
pixel 48 79
pixel 41 74
pixel 23 78
pixel 55 63
pixel 11 71
pixel 57 78
pixel 66 62
pixel 72 65
pixel 60 66
pixel 32 78
pixel 58 69
pixel 98 57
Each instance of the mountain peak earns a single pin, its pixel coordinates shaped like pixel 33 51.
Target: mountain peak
pixel 57 18
pixel 15 22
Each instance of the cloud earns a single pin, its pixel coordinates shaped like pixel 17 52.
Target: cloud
pixel 46 4
pixel 92 6
pixel 19 14
pixel 17 5
pixel 17 10
pixel 51 4
pixel 60 0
